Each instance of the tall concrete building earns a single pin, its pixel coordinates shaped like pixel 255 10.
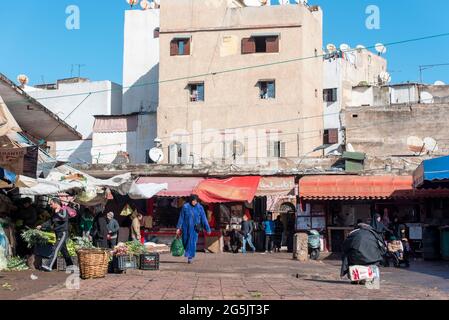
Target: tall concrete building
pixel 239 82
pixel 343 71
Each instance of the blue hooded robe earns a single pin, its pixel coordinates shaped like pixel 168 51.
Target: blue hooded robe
pixel 191 215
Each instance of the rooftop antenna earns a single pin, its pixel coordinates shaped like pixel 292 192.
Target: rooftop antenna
pixel 429 66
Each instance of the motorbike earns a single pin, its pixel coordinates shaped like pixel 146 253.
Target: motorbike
pixel 314 244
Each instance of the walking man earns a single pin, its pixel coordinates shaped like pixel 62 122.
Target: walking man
pixel 247 230
pixel 59 223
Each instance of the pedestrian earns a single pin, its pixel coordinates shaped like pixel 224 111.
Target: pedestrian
pixel 394 226
pixel 268 227
pixel 99 231
pixel 59 223
pixel 247 230
pixel 113 228
pixel 278 230
pixel 86 223
pixel 136 219
pixel 192 220
pixel 378 226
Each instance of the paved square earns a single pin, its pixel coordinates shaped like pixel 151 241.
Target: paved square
pixel 237 277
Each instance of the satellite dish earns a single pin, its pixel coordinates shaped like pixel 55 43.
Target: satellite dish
pixel 380 48
pixel 385 77
pixel 430 144
pixel 156 155
pixel 439 83
pixel 345 47
pixel 145 4
pixel 23 80
pixel 426 97
pixel 360 48
pixel 331 48
pixel 415 144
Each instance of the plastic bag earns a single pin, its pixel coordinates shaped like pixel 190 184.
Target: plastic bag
pixel 126 211
pixel 177 248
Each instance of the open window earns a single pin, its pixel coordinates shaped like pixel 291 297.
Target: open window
pixel 267 89
pixel 276 149
pixel 156 33
pixel 196 91
pixel 260 44
pixel 330 95
pixel 180 47
pixel 177 153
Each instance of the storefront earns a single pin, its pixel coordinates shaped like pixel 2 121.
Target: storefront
pixel 335 204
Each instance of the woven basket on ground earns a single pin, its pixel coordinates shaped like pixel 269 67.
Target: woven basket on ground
pixel 93 263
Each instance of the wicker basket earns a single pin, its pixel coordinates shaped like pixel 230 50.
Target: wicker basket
pixel 93 263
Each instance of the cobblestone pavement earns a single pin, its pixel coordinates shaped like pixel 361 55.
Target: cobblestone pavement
pixel 255 277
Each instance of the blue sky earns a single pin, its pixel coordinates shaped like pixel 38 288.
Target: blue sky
pixel 34 39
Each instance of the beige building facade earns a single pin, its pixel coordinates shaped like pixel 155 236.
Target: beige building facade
pixel 239 83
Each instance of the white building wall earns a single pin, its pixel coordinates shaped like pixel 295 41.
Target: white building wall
pixel 67 103
pixel 404 94
pixel 106 146
pixel 140 61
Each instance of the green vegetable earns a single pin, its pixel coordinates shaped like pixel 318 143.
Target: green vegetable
pixel 135 247
pixel 77 243
pixel 37 237
pixel 17 264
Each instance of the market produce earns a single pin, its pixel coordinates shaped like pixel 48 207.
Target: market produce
pixel 131 248
pixel 121 249
pixel 77 243
pixel 16 264
pixel 37 237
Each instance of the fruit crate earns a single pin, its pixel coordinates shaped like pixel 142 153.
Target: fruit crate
pixel 149 261
pixel 122 263
pixel 61 265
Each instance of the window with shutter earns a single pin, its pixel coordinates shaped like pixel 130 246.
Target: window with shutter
pixel 174 48
pixel 330 136
pixel 187 47
pixel 248 45
pixel 183 155
pixel 282 149
pixel 330 95
pixel 196 91
pixel 272 44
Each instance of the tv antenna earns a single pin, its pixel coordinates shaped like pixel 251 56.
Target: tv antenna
pixel 429 66
pixel 79 69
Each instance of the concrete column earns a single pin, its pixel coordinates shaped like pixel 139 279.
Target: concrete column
pixel 300 247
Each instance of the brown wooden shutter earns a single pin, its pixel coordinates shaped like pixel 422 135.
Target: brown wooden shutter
pixel 272 44
pixel 187 47
pixel 248 45
pixel 174 47
pixel 330 136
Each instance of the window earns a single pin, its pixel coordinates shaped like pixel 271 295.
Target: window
pixel 156 33
pixel 196 92
pixel 267 89
pixel 276 149
pixel 330 136
pixel 260 44
pixel 330 95
pixel 180 47
pixel 177 153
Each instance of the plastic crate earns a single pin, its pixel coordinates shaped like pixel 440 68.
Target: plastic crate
pixel 149 261
pixel 122 263
pixel 60 262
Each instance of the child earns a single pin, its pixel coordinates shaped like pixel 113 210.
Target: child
pixel 395 246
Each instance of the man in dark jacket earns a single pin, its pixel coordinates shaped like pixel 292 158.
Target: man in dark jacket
pixel 59 223
pixel 363 246
pixel 278 230
pixel 99 231
pixel 247 230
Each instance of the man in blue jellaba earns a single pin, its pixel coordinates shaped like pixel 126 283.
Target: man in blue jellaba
pixel 192 221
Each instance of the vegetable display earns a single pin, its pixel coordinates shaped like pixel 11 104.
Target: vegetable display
pixel 16 264
pixel 131 248
pixel 37 237
pixel 77 243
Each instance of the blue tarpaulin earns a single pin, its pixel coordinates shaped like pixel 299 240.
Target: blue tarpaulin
pixel 8 176
pixel 433 173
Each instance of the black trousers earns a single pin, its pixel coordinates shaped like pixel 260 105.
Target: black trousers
pixel 60 246
pixel 112 243
pixel 269 239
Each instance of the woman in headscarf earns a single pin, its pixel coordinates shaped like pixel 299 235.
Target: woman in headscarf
pixel 378 226
pixel 191 222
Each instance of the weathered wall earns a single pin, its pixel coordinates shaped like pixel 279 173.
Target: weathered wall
pixel 383 131
pixel 232 99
